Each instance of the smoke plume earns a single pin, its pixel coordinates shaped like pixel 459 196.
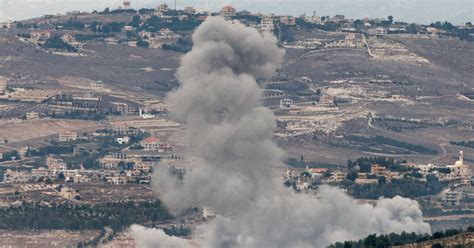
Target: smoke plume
pixel 155 238
pixel 231 133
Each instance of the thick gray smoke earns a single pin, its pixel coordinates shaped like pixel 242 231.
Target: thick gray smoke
pixel 156 238
pixel 231 132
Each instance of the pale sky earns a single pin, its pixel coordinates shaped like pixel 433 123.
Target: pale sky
pixel 420 11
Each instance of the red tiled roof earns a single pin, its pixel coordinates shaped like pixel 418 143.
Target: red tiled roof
pixel 228 8
pixel 151 140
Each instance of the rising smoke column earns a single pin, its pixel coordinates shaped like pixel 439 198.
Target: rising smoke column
pixel 219 100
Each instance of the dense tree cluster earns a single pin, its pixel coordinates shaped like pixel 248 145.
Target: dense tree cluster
pixel 469 143
pixel 326 26
pixel 56 43
pixel 406 187
pixel 116 215
pixel 462 33
pixel 365 164
pixel 393 239
pixel 50 150
pixel 7 156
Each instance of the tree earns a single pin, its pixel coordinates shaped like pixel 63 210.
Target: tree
pixel 412 29
pixel 382 180
pixel 122 165
pixel 352 175
pixel 390 19
pixel 143 44
pixel 106 11
pixel 371 240
pixel 437 235
pixel 61 176
pixel 136 20
pixel 358 24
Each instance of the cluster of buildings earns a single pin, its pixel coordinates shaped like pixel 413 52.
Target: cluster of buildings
pixel 56 169
pixel 351 40
pixel 7 24
pixel 131 164
pixel 459 194
pixel 41 36
pixel 71 40
pixel 303 180
pixel 460 176
pixel 458 171
pixel 267 22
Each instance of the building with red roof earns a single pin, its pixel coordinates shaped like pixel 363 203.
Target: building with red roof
pixel 151 144
pixel 228 11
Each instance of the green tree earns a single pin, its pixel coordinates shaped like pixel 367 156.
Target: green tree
pixel 136 20
pixel 382 180
pixel 143 44
pixel 390 19
pixel 55 42
pixel 61 176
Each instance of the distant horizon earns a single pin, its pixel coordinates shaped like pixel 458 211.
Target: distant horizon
pixel 418 11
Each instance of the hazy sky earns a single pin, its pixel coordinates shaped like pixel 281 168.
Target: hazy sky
pixel 422 11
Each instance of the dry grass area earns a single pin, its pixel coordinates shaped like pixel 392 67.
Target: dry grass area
pixel 80 83
pixel 37 239
pixel 23 130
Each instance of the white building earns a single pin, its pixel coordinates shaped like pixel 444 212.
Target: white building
pixel 228 11
pixel 208 213
pixel 81 179
pixel 118 180
pixel 267 24
pixel 302 185
pixel 452 197
pixel 32 115
pixel 145 115
pixel 162 7
pixel 68 136
pixel 109 163
pixel 40 36
pixel 3 85
pixel 42 173
pixel 128 28
pixel 338 176
pixel 288 20
pixel 123 140
pixel 55 164
pixel 190 10
pixel 459 169
pixel 151 144
pixel 16 177
pixel 7 24
pixel 286 103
